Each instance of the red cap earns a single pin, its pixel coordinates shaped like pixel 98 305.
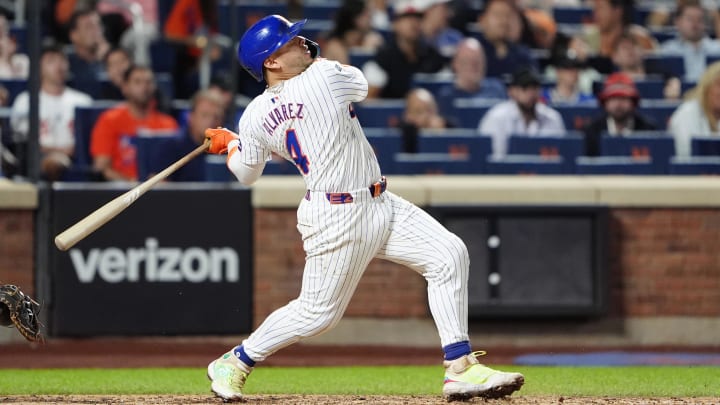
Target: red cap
pixel 619 85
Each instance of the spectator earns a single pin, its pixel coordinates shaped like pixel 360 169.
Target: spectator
pixel 116 61
pixel 436 28
pixel 497 24
pixel 522 114
pixel 699 114
pixel 351 30
pixel 566 71
pixel 110 143
pixel 192 24
pixel 563 48
pixel 628 58
pixel 389 75
pixel 57 114
pixel 469 80
pixel 220 85
pixel 611 19
pixel 619 99
pixel 89 47
pixel 421 112
pixel 13 65
pixel 206 111
pixel 138 23
pixel 692 41
pixel 541 27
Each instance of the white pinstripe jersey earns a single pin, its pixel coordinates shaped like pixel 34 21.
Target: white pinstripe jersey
pixel 309 121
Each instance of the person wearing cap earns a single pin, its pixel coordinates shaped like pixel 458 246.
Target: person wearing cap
pixel 619 99
pixel 699 114
pixel 389 74
pixel 568 67
pixel 522 114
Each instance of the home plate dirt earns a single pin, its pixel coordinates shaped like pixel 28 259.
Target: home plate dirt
pixel 339 399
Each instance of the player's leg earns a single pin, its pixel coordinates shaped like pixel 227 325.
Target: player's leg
pixel 420 242
pixel 339 240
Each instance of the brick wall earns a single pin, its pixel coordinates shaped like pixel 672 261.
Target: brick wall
pixel 16 248
pixel 662 262
pixel 665 262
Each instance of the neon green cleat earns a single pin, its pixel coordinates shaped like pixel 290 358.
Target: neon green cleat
pixel 466 378
pixel 228 375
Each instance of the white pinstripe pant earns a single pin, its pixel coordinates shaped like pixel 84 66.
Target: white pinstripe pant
pixel 340 240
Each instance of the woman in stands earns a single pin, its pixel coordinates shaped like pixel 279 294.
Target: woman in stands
pixel 352 30
pixel 698 116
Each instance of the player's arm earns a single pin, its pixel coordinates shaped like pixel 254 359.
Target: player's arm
pixel 223 141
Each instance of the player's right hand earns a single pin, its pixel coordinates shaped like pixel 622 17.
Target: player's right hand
pixel 219 139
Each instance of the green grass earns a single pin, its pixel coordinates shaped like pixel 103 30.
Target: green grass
pixel 401 380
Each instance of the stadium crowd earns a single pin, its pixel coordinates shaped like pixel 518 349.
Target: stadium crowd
pixel 482 87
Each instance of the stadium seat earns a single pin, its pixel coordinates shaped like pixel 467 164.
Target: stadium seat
pixel 216 169
pixel 569 147
pixel 695 165
pixel 576 116
pixel 614 165
pixel 659 111
pixel 665 65
pixel 386 142
pixel 658 146
pixel 246 13
pixel 380 113
pixel 572 15
pixel 359 57
pixel 320 10
pixel 163 56
pixel 434 163
pixel 14 87
pixel 527 164
pixel 147 144
pixel 705 146
pixel 458 142
pixel 85 118
pixel 431 81
pixel 468 112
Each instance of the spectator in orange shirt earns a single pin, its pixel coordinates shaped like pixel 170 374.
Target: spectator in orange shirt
pixel 191 24
pixel 111 148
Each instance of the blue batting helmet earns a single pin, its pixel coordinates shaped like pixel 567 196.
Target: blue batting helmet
pixel 263 39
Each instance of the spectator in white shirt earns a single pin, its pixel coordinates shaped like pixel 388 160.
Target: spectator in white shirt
pixel 57 114
pixel 699 115
pixel 523 113
pixel 692 41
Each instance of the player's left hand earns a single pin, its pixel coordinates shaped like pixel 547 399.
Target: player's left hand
pixel 219 139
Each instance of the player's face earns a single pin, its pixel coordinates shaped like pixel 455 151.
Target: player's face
pixel 294 57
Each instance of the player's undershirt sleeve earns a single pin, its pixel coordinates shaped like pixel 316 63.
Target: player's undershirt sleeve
pixel 246 156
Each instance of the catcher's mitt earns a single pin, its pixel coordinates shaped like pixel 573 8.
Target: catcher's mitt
pixel 21 311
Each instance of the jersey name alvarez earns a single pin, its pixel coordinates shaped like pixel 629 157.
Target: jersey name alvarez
pixel 282 113
pixel 153 263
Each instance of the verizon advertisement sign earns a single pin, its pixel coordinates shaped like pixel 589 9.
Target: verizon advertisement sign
pixel 176 262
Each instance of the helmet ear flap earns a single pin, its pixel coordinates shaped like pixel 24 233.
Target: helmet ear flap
pixel 313 46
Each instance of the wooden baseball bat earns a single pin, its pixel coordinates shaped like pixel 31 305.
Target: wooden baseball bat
pixel 110 210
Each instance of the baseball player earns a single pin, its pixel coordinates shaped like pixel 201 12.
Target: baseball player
pixel 346 218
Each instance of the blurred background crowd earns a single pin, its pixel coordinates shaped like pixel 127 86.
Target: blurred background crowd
pixel 126 87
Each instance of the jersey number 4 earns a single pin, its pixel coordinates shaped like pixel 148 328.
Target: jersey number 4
pixel 295 150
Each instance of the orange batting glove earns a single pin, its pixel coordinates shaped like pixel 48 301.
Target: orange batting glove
pixel 219 139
